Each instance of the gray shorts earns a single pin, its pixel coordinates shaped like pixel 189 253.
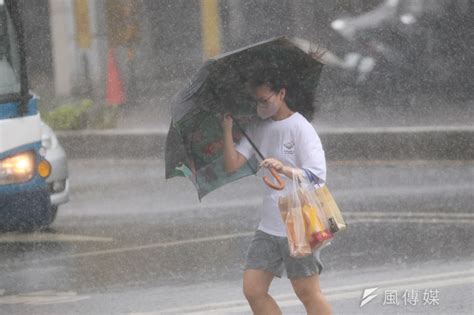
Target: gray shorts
pixel 270 253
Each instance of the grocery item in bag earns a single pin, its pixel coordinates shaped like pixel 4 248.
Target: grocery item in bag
pixel 332 211
pixel 306 223
pixel 316 232
pixel 296 232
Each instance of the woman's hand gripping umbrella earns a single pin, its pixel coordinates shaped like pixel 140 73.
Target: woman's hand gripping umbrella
pixel 273 165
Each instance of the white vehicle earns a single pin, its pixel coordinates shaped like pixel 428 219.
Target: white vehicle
pixel 28 199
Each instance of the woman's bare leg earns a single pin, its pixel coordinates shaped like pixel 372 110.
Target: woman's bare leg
pixel 256 285
pixel 308 291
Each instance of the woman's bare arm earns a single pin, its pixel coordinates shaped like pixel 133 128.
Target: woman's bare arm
pixel 233 160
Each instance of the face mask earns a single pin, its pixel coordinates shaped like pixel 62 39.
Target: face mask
pixel 266 111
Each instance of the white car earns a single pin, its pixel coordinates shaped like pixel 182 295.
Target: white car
pixel 58 181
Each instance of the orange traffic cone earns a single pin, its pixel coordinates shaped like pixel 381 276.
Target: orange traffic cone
pixel 114 91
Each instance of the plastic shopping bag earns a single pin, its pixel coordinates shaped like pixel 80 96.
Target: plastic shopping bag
pixel 305 220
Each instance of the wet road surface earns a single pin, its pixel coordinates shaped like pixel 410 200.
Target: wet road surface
pixel 130 242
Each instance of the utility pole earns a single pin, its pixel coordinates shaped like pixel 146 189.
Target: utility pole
pixel 62 45
pixel 83 41
pixel 210 28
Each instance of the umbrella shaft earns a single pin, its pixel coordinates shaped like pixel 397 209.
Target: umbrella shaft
pixel 248 138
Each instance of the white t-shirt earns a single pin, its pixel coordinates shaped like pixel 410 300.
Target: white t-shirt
pixel 295 143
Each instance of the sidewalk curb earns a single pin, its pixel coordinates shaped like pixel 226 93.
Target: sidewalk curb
pixel 394 143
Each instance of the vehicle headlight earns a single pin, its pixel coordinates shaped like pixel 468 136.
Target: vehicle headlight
pixel 18 168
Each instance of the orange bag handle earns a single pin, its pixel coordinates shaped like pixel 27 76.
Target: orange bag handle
pixel 281 183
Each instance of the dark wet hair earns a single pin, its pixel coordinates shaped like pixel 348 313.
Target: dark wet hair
pixel 270 77
pixel 285 67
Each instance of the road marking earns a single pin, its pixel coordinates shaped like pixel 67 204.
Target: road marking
pixel 430 214
pixel 49 237
pixel 142 247
pixel 366 193
pixel 411 162
pixel 400 162
pixel 249 202
pixel 398 191
pixel 428 220
pixel 411 220
pixel 114 132
pixel 406 280
pixel 395 130
pixel 323 130
pixel 42 298
pixel 419 286
pixel 333 294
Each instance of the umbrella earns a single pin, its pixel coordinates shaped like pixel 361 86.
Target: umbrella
pixel 194 145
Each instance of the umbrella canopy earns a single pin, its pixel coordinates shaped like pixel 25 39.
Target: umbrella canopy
pixel 194 146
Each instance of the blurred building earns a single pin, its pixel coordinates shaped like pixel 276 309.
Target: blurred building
pixel 161 40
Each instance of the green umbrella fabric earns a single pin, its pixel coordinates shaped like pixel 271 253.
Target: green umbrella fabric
pixel 194 145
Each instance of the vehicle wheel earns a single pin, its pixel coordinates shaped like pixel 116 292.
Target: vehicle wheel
pixel 52 213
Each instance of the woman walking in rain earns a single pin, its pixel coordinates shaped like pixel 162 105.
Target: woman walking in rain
pixel 291 145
